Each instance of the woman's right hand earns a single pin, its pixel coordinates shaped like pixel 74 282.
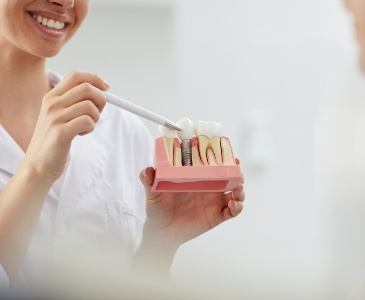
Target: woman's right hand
pixel 70 109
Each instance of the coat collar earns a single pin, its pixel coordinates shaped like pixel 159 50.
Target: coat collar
pixel 11 154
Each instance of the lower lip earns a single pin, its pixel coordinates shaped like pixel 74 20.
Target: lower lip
pixel 46 32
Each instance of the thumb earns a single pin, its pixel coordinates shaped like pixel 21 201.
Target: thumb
pixel 147 177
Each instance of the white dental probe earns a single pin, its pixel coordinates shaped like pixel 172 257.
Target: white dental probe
pixel 140 111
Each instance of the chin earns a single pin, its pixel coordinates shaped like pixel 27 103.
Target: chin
pixel 45 52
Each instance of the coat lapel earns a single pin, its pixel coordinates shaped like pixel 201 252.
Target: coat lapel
pixel 88 157
pixel 11 154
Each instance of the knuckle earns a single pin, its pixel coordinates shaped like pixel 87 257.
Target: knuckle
pixel 75 75
pixel 50 104
pixel 86 87
pixel 60 134
pixel 88 123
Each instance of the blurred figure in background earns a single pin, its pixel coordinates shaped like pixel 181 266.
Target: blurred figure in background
pixel 342 172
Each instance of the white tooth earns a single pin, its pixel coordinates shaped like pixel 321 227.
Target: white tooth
pixel 217 129
pixel 227 152
pixel 202 128
pixel 169 142
pixel 44 21
pixel 51 23
pixel 39 19
pixel 187 129
pixel 167 132
pixel 58 25
pixel 209 134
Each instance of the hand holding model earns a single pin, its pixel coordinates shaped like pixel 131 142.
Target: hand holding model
pixel 174 218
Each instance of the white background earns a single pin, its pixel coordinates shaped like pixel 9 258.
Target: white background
pixel 260 67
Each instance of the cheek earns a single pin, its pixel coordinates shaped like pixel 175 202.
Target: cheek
pixel 81 11
pixel 9 14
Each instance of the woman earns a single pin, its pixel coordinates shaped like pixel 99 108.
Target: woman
pixel 69 163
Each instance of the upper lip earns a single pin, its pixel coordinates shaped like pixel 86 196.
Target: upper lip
pixel 51 15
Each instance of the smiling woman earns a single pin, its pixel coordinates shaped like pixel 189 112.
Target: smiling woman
pixel 74 177
pixel 59 24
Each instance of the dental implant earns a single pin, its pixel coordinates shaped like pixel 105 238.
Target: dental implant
pixel 186 135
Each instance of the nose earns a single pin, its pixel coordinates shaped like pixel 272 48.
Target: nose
pixel 63 3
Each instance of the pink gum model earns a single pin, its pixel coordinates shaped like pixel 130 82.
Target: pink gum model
pixel 169 178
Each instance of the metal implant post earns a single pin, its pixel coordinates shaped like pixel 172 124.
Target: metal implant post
pixel 186 135
pixel 186 153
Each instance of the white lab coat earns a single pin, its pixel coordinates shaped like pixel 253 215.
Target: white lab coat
pixel 97 207
pixel 341 143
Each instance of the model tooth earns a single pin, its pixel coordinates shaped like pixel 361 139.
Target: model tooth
pixel 227 152
pixel 211 157
pixel 201 128
pixel 186 134
pixel 195 153
pixel 209 134
pixel 167 132
pixel 169 136
pixel 177 154
pixel 187 129
pixel 215 141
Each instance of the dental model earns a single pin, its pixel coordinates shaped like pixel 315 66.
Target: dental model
pixel 209 136
pixel 170 136
pixel 186 135
pixel 196 159
pixel 207 148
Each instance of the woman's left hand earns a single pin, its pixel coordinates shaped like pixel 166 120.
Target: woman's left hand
pixel 175 218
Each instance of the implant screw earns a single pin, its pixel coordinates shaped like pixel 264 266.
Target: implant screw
pixel 186 153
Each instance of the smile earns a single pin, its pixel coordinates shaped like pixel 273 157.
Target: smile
pixel 49 23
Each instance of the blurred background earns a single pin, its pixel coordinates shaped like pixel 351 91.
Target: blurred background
pixel 262 68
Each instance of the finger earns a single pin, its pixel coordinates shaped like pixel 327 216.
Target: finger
pixel 82 108
pixel 75 79
pixel 232 210
pixel 84 91
pixel 235 208
pixel 147 177
pixel 79 126
pixel 237 194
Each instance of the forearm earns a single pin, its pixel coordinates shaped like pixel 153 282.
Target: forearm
pixel 21 202
pixel 154 256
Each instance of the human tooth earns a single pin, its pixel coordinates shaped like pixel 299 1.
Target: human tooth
pixel 59 25
pixel 50 23
pixel 177 154
pixel 186 134
pixel 169 142
pixel 209 134
pixel 227 152
pixel 195 153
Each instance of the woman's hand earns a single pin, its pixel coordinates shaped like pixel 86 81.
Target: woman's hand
pixel 175 218
pixel 71 108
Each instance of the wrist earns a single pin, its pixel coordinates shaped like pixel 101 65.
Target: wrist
pixel 30 174
pixel 155 254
